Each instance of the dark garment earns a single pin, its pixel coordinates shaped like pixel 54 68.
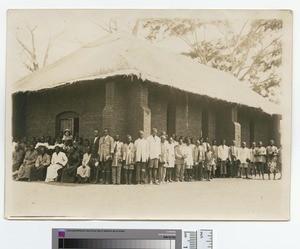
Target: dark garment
pixel 41 173
pixel 95 147
pixel 140 172
pixel 69 171
pixel 38 173
pixel 116 174
pixel 17 157
pixel 232 169
pixel 85 149
pixel 198 171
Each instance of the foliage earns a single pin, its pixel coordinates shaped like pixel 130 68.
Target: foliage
pixel 251 53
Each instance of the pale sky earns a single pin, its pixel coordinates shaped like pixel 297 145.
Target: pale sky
pixel 77 27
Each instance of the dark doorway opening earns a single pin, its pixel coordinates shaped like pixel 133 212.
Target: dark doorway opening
pixel 171 119
pixel 67 120
pixel 252 135
pixel 205 123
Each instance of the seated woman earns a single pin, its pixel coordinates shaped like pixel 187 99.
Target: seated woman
pixel 41 164
pixel 17 159
pixel 84 171
pixel 58 161
pixel 24 172
pixel 67 135
pixel 79 145
pixel 74 160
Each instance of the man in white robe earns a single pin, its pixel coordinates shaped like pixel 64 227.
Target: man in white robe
pixel 58 161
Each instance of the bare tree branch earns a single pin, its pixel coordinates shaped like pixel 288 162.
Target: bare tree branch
pixel 47 52
pixel 257 56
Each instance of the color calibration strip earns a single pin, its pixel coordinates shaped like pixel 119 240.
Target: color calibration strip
pixel 115 244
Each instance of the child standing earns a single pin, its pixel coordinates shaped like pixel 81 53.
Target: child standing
pixel 116 165
pixel 189 162
pixel 170 159
pixel 209 163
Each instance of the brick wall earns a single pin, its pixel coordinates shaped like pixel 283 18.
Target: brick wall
pixel 188 111
pixel 212 123
pixel 115 109
pixel 41 108
pixel 158 103
pixel 127 105
pixel 138 113
pixel 262 129
pixel 245 128
pixel 264 126
pixel 226 123
pixel 18 115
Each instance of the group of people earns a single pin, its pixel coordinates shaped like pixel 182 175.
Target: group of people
pixel 151 160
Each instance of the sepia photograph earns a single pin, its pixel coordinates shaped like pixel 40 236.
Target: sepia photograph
pixel 148 114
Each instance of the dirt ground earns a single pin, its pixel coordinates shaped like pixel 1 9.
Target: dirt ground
pixel 219 199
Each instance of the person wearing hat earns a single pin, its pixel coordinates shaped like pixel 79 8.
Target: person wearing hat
pixel 67 135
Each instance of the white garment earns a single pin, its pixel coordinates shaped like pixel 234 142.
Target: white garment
pixel 51 147
pixel 170 155
pixel 57 162
pixel 189 160
pixel 117 157
pixel 154 147
pixel 198 154
pixel 205 146
pixel 223 152
pixel 141 150
pixel 243 154
pixel 84 172
pixel 86 158
pixel 41 144
pixel 252 155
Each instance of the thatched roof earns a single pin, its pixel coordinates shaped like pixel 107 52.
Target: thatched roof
pixel 121 54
